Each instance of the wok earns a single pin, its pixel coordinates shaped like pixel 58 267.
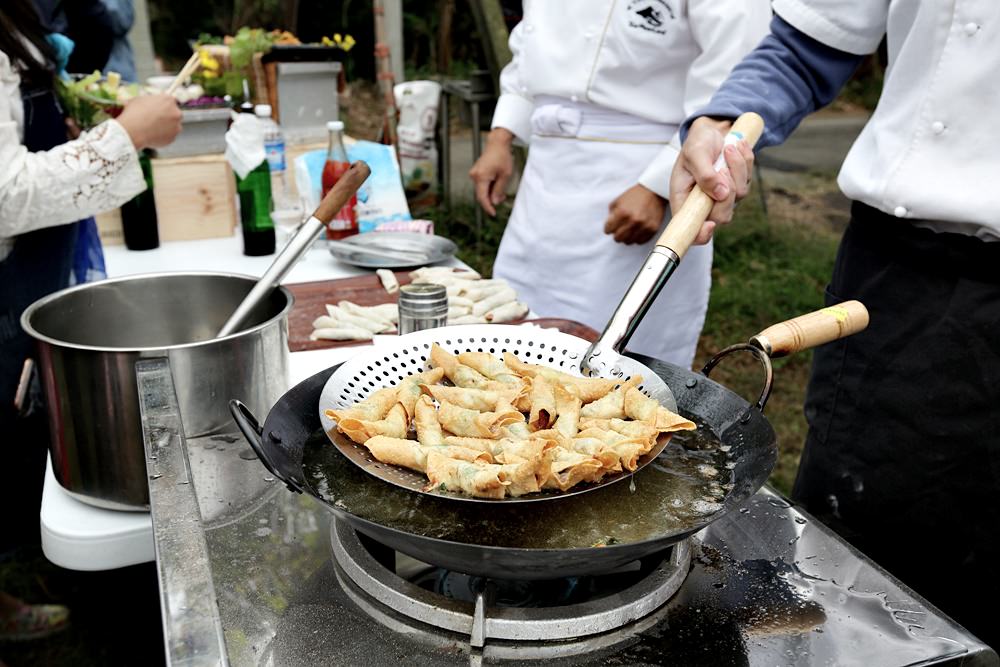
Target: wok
pixel 516 542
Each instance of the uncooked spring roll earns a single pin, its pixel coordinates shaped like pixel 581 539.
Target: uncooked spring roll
pixel 495 300
pixel 389 281
pixel 341 333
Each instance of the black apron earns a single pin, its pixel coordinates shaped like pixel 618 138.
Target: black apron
pixel 39 264
pixel 903 452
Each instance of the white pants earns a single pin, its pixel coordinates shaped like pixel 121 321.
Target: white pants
pixel 554 250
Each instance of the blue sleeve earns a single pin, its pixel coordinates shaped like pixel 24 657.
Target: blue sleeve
pixel 788 76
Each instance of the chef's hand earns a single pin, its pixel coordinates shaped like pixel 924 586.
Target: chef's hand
pixel 152 121
pixel 493 169
pixel 636 215
pixel 696 165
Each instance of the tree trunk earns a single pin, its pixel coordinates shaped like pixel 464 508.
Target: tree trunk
pixel 446 10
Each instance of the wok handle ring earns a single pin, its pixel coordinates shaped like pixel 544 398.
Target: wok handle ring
pixel 760 355
pixel 253 432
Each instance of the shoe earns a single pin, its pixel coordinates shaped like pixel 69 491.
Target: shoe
pixel 34 621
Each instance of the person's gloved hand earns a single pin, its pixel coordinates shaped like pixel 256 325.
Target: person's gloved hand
pixel 151 121
pixel 696 165
pixel 493 169
pixel 635 216
pixel 63 47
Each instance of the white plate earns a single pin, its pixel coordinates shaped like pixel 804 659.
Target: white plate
pixel 435 248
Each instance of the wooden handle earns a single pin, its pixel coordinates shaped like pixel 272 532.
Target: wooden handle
pixel 816 328
pixel 685 224
pixel 342 190
pixel 189 68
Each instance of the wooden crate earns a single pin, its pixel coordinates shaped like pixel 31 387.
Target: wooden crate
pixel 195 199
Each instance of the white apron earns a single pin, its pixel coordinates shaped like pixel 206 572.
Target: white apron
pixel 554 250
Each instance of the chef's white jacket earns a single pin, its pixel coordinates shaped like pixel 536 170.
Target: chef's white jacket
pixel 658 60
pixel 927 153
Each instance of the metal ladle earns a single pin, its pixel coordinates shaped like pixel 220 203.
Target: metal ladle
pixel 334 200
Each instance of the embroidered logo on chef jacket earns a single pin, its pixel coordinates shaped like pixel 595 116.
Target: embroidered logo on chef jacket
pixel 651 15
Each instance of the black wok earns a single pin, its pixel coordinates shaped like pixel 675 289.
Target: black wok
pixel 504 542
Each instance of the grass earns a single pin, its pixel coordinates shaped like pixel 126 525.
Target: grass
pixel 767 268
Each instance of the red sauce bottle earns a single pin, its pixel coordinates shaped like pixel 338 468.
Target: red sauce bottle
pixel 345 223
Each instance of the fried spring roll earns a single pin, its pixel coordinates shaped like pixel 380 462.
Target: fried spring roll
pixel 409 388
pixel 488 365
pixel 543 404
pixel 460 374
pixel 479 480
pixel 568 408
pixel 611 405
pixel 570 468
pixel 426 422
pixel 394 425
pixel 483 400
pixel 409 454
pixel 474 424
pixel 587 389
pixel 643 408
pixel 373 408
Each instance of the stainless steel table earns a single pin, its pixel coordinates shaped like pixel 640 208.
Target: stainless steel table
pixel 247 579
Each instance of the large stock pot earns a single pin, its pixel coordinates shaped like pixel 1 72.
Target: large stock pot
pixel 89 339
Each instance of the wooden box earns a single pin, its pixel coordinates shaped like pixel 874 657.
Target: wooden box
pixel 195 199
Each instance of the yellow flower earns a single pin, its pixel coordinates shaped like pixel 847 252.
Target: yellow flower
pixel 336 37
pixel 326 41
pixel 208 63
pixel 348 43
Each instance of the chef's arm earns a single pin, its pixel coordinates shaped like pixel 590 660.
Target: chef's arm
pixel 511 120
pixel 786 77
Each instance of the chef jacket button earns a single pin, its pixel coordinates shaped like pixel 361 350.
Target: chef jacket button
pixel 574 98
pixel 529 28
pixel 937 127
pixel 900 212
pixel 588 35
pixel 971 29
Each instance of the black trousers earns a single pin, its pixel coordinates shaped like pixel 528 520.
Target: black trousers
pixel 903 452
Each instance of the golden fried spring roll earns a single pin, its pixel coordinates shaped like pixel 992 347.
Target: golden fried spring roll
pixel 409 454
pixel 426 422
pixel 643 408
pixel 634 429
pixel 543 404
pixel 474 424
pixel 373 408
pixel 394 425
pixel 587 389
pixel 611 405
pixel 628 453
pixel 460 374
pixel 486 364
pixel 478 444
pixel 516 430
pixel 571 468
pixel 409 388
pixel 596 448
pixel 473 399
pixel 568 407
pixel 479 480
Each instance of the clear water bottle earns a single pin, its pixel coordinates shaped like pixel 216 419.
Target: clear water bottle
pixel 274 147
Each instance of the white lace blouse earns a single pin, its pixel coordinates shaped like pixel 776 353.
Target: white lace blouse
pixel 95 173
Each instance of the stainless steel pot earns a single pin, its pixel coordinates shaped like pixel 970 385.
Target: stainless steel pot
pixel 89 338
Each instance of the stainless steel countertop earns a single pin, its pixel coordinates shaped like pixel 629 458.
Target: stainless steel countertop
pixel 241 556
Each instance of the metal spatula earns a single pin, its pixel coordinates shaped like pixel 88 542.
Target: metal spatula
pixel 286 259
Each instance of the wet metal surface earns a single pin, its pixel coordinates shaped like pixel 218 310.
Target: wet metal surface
pixel 768 586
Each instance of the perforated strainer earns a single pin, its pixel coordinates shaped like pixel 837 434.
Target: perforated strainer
pixel 386 365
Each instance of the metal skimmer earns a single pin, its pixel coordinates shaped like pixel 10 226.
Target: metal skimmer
pixel 389 362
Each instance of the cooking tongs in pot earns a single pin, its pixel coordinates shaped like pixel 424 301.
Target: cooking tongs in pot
pixel 663 260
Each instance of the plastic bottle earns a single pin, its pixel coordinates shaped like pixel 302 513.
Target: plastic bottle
pixel 345 223
pixel 274 147
pixel 139 222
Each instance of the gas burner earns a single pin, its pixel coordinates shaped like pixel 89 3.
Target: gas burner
pixel 512 611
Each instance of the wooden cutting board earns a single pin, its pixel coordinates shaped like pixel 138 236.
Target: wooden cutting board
pixel 311 300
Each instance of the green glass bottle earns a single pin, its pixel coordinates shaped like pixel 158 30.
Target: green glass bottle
pixel 139 223
pixel 255 211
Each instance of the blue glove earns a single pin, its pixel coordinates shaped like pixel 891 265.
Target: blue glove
pixel 63 47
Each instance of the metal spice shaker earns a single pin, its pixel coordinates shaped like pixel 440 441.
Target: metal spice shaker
pixel 422 306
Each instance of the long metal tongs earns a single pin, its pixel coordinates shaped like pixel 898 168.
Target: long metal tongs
pixel 663 260
pixel 286 259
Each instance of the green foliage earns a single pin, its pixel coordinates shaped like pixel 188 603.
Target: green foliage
pixel 247 42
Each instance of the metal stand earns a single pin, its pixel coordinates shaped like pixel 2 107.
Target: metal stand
pixel 463 90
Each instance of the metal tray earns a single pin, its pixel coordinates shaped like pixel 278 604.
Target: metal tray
pixel 436 248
